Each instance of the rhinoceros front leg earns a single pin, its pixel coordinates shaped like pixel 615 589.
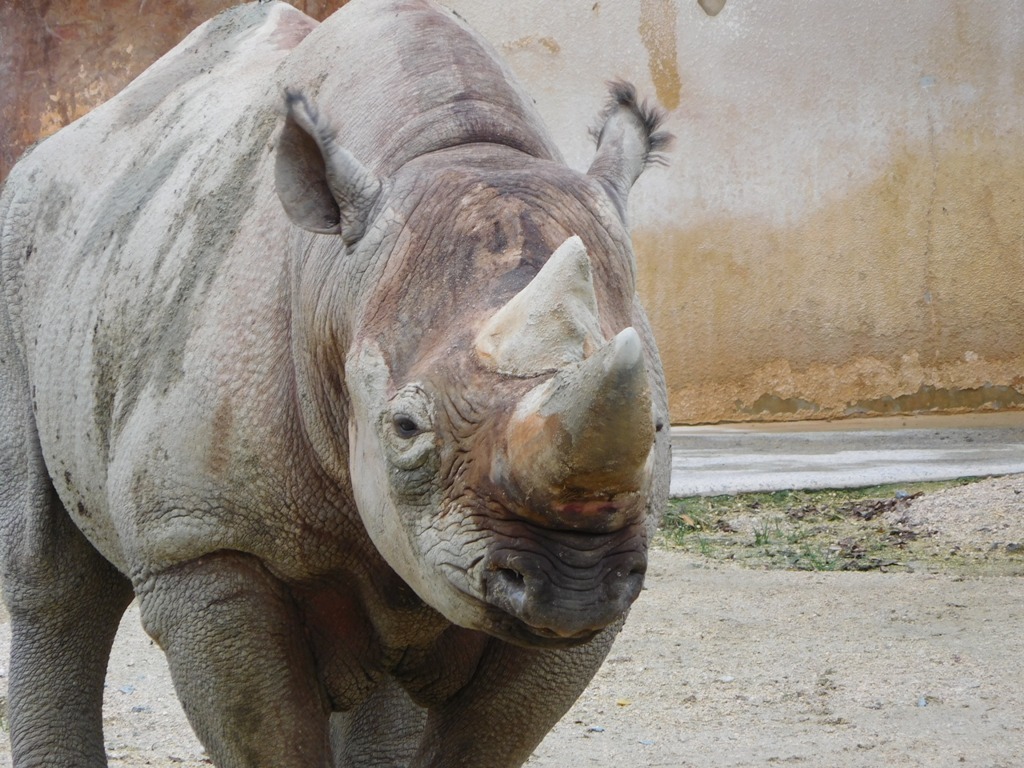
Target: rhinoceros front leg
pixel 383 732
pixel 65 603
pixel 515 698
pixel 240 663
pixel 65 600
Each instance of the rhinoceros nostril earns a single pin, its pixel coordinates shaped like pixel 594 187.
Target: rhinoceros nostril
pixel 639 568
pixel 512 576
pixel 511 585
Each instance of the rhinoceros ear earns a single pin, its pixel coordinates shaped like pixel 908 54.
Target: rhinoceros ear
pixel 628 140
pixel 322 187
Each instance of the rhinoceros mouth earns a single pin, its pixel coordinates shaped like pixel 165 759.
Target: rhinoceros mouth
pixel 561 588
pixel 516 632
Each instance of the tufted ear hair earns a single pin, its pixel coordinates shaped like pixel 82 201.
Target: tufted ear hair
pixel 322 187
pixel 628 140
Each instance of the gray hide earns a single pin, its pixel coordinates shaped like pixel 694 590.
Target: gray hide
pixel 292 371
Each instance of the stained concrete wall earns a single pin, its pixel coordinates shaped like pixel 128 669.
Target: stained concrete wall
pixel 840 230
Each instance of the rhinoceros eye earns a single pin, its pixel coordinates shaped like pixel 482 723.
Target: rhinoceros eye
pixel 405 427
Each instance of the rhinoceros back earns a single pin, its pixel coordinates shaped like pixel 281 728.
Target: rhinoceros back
pixel 103 171
pixel 118 232
pixel 127 188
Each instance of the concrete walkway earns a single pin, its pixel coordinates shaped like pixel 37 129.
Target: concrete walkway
pixel 733 458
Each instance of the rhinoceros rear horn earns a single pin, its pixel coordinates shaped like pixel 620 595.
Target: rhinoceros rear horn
pixel 548 325
pixel 322 187
pixel 628 140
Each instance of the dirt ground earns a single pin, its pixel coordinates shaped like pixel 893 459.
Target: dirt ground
pixel 721 665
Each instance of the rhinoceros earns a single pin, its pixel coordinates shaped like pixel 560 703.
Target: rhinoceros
pixel 312 342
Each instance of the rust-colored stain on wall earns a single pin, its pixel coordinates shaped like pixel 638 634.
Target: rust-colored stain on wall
pixel 61 58
pixel 658 32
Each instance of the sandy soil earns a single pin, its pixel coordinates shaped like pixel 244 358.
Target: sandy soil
pixel 722 666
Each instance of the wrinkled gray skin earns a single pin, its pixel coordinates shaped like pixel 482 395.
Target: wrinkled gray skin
pixel 253 371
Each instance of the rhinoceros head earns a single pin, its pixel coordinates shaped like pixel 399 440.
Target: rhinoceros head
pixel 495 412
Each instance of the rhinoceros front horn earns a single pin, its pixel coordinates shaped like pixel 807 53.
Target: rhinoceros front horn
pixel 586 432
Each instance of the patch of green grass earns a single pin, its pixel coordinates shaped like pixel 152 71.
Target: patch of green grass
pixel 827 530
